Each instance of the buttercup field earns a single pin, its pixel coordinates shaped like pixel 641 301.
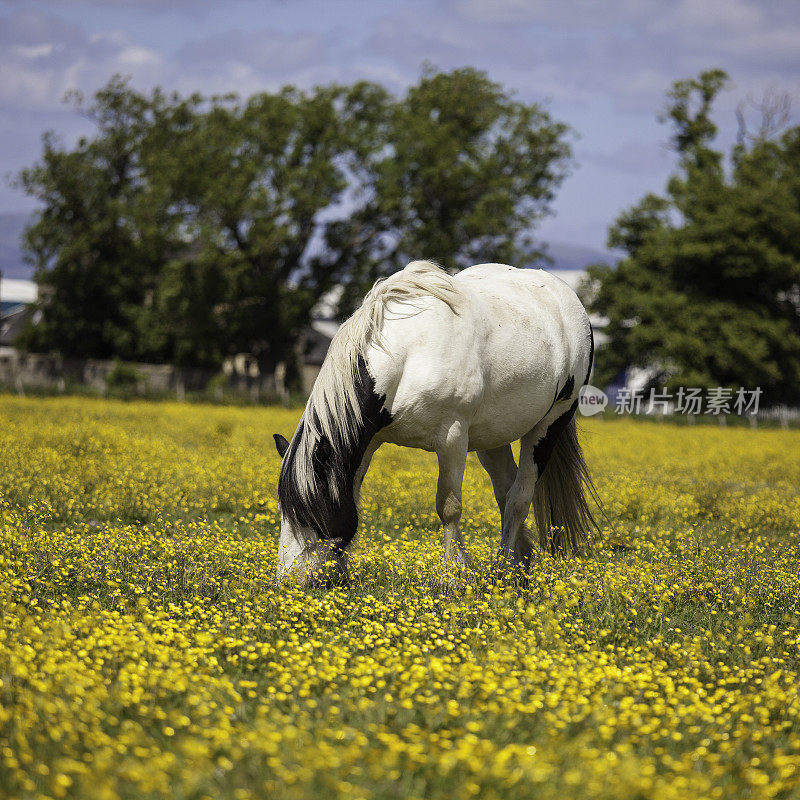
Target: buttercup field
pixel 145 650
pixel 399 401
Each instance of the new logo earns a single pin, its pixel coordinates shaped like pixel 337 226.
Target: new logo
pixel 591 400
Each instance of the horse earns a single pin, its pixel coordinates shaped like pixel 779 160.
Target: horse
pixel 448 364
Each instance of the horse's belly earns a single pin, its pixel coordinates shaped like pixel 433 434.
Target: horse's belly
pixel 513 403
pixel 497 423
pixel 490 425
pixel 495 413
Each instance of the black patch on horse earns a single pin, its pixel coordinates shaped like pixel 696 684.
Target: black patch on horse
pixel 334 463
pixel 567 390
pixel 591 354
pixel 543 449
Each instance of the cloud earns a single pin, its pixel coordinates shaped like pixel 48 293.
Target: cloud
pixel 249 61
pixel 630 157
pixel 44 57
pixel 187 6
pixel 605 67
pixel 32 28
pixel 711 16
pixel 524 46
pixel 635 49
pixel 578 13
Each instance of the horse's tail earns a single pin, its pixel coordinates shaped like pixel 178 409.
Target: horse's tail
pixel 560 498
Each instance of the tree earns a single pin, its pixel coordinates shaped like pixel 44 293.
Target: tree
pixel 466 173
pixel 88 245
pixel 253 181
pixel 709 291
pixel 188 229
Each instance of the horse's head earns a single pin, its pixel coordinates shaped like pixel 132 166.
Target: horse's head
pixel 314 514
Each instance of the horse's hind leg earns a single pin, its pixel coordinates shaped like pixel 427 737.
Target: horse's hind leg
pixel 502 469
pixel 515 543
pixel 452 455
pixel 499 463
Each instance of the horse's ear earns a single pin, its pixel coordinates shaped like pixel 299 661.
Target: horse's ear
pixel 281 444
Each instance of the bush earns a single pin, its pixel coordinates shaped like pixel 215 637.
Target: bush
pixel 122 376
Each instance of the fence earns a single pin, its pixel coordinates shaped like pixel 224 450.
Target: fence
pixel 51 373
pixel 782 416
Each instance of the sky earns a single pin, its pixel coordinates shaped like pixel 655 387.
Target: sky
pixel 602 67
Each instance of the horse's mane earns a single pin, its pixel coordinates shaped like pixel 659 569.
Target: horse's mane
pixel 333 405
pixel 336 407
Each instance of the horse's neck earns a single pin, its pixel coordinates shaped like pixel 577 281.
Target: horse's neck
pixel 373 417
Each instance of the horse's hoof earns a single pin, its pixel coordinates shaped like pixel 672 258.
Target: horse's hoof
pixel 501 573
pixel 448 584
pixel 505 574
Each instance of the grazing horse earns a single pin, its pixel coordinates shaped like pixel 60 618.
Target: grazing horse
pixel 447 364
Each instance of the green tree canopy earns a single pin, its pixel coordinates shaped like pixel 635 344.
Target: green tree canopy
pixel 709 291
pixel 190 228
pixel 466 174
pixel 185 229
pixel 91 244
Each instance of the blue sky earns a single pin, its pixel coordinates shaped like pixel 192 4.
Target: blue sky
pixel 602 67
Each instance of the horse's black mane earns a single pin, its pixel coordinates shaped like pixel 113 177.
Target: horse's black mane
pixel 325 502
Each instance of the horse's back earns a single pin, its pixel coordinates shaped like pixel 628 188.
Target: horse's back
pixel 531 289
pixel 494 362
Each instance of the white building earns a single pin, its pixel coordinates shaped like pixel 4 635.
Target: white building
pixel 16 293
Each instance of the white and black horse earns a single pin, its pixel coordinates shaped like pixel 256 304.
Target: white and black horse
pixel 445 364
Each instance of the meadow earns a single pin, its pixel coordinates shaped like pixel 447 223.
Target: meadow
pixel 145 651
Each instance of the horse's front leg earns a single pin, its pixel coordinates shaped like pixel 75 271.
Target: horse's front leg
pixel 361 472
pixel 452 456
